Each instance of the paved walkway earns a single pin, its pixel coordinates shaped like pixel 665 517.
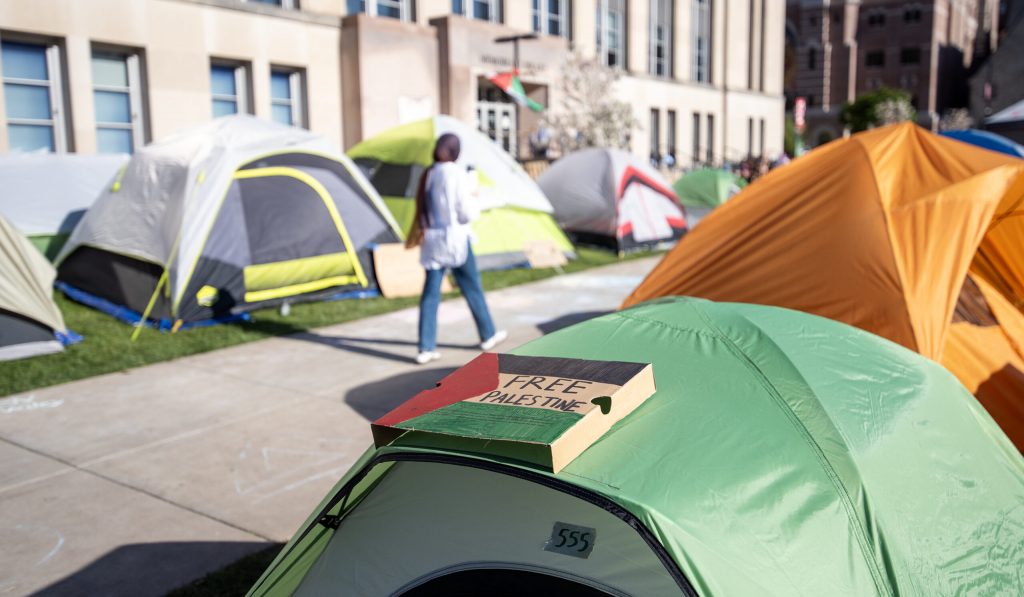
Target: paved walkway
pixel 134 483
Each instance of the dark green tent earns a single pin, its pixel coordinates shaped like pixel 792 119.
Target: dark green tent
pixel 782 454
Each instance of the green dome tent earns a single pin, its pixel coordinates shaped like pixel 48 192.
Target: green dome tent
pixel 515 211
pixel 782 454
pixel 703 190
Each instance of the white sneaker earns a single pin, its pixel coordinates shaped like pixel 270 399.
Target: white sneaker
pixel 425 357
pixel 498 337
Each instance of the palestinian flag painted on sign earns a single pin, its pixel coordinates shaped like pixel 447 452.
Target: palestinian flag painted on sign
pixel 509 83
pixel 537 409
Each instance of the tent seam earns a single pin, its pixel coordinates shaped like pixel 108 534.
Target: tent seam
pixel 892 248
pixel 763 379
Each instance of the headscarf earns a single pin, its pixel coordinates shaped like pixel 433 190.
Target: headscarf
pixel 446 149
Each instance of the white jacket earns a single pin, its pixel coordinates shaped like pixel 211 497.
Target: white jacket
pixel 452 209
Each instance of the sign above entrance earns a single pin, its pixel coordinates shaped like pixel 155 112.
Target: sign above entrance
pixel 507 62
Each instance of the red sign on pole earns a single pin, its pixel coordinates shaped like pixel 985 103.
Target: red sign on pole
pixel 799 112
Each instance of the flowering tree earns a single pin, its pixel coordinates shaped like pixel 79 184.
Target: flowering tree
pixel 588 114
pixel 955 119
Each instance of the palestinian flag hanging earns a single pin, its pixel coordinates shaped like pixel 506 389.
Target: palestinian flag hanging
pixel 509 83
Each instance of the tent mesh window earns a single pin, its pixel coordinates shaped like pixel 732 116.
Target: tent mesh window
pixel 117 278
pixel 972 307
pixel 15 329
pixel 497 582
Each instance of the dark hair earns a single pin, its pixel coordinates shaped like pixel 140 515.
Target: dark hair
pixel 446 149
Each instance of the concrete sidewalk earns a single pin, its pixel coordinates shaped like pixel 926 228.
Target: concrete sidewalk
pixel 135 483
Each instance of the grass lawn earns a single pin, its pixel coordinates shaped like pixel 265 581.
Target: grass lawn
pixel 107 346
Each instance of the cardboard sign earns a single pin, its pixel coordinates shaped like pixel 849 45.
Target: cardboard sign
pixel 543 253
pixel 542 410
pixel 398 271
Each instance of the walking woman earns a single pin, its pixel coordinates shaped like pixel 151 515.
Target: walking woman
pixel 445 210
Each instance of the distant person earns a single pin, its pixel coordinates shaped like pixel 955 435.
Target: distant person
pixel 445 208
pixel 746 171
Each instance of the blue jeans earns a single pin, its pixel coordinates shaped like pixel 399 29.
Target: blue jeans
pixel 468 279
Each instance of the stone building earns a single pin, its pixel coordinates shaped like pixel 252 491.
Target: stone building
pixel 841 49
pixel 704 77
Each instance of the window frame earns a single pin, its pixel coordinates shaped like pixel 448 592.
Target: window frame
pixel 135 70
pixel 874 53
pixel 406 12
pixel 297 88
pixel 654 18
pixel 59 120
pixel 695 149
pixel 702 29
pixel 496 8
pixel 540 18
pixel 284 4
pixel 709 149
pixel 908 51
pixel 243 89
pixel 670 135
pixel 655 135
pixel 605 8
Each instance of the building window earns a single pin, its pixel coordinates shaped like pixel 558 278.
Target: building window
pixel 660 51
pixel 611 32
pixel 551 17
pixel 483 10
pixel 229 87
pixel 760 137
pixel 287 97
pixel 117 100
pixel 912 15
pixel 702 41
pixel 750 137
pixel 710 156
pixel 812 58
pixel 33 96
pixel 395 9
pixel 670 138
pixel 875 58
pixel 695 149
pixel 290 4
pixel 910 55
pixel 876 19
pixel 655 137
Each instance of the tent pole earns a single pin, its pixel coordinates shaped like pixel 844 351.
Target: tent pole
pixel 149 307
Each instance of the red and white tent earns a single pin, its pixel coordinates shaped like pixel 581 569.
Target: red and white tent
pixel 611 198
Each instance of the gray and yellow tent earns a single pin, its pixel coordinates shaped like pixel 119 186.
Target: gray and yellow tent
pixel 30 323
pixel 782 454
pixel 230 216
pixel 515 211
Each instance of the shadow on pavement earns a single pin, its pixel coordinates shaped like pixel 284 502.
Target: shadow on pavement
pixel 567 320
pixel 374 400
pixel 365 346
pixel 151 568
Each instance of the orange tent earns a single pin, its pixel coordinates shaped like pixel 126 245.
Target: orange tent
pixel 879 231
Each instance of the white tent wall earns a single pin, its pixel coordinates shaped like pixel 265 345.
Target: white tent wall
pixel 513 187
pixel 41 192
pixel 582 189
pixel 424 520
pixel 26 279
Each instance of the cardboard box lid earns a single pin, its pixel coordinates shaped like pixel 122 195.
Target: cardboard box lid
pixel 543 410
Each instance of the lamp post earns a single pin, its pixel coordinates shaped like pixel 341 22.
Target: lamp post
pixel 515 39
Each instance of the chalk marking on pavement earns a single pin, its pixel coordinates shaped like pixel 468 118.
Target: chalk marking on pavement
pixel 16 404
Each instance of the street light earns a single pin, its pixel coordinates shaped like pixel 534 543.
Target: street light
pixel 515 39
